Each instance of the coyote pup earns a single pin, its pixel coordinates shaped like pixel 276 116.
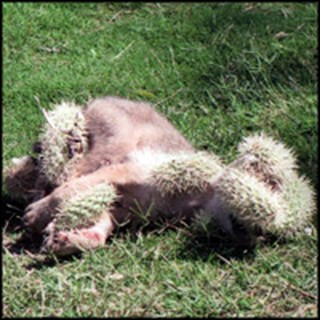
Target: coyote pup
pixel 126 140
pixel 118 161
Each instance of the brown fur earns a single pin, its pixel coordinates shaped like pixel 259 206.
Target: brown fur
pixel 116 128
pixel 119 126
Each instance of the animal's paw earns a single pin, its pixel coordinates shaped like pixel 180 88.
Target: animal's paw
pixel 64 243
pixel 38 215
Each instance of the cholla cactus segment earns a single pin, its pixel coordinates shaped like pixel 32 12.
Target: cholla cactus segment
pixel 84 209
pixel 275 162
pixel 185 174
pixel 63 137
pixel 251 201
pixel 300 197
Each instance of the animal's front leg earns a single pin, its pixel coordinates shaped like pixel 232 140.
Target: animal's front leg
pixel 67 242
pixel 40 213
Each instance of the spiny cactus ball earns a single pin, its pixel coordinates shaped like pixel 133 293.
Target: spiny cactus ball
pixel 63 141
pixel 275 162
pixel 251 201
pixel 187 173
pixel 84 209
pixel 300 197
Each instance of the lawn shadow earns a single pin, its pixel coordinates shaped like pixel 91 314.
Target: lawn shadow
pixel 50 261
pixel 194 245
pixel 203 248
pixel 12 212
pixel 32 247
pixel 18 241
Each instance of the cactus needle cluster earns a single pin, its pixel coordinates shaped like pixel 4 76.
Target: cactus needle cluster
pixel 186 174
pixel 63 140
pixel 301 200
pixel 251 192
pixel 275 162
pixel 85 208
pixel 252 203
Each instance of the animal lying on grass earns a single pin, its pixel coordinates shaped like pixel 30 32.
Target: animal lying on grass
pixel 118 161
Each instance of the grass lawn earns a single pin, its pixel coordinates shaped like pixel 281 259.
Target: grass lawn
pixel 218 71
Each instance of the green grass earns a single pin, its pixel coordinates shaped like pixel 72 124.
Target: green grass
pixel 218 71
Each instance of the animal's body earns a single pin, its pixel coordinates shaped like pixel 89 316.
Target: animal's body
pixel 127 139
pixel 117 127
pixel 140 167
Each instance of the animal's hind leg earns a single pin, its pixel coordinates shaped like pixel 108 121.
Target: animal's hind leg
pixel 67 242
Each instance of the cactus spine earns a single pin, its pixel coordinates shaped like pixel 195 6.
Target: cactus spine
pixel 265 188
pixel 275 163
pixel 300 197
pixel 185 174
pixel 63 140
pixel 251 201
pixel 84 209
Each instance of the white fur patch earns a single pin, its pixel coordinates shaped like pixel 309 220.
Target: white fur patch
pixel 148 158
pixel 20 161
